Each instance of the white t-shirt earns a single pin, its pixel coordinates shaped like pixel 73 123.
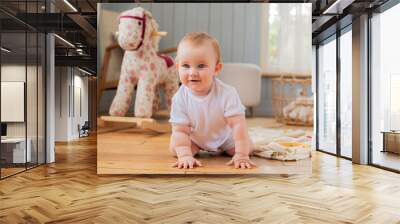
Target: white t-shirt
pixel 206 115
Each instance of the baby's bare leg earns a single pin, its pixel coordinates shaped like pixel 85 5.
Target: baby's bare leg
pixel 195 149
pixel 231 151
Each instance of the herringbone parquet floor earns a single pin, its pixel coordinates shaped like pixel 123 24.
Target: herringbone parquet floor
pixel 70 191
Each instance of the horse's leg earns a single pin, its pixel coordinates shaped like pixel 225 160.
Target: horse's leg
pixel 171 85
pixel 145 94
pixel 123 96
pixel 156 101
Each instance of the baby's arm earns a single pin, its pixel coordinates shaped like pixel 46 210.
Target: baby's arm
pixel 243 145
pixel 181 147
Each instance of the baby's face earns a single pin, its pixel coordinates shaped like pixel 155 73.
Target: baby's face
pixel 197 65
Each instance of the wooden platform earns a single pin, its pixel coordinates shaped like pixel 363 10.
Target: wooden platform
pixel 134 151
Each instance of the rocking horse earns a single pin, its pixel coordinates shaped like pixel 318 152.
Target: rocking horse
pixel 138 35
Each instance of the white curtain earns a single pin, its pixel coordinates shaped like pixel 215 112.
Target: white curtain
pixel 286 38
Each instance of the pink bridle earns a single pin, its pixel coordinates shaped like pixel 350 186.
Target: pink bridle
pixel 143 19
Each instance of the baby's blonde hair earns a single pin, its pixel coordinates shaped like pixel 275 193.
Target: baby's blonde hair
pixel 197 38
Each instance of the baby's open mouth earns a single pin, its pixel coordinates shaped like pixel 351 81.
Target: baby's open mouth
pixel 194 80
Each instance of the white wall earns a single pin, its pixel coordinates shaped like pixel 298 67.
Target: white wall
pixel 33 127
pixel 70 83
pixel 17 73
pixel 82 82
pixel 80 104
pixel 61 103
pixel 235 25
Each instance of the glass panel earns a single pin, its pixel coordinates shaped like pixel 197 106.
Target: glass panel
pixel 386 89
pixel 327 97
pixel 31 97
pixel 13 85
pixel 346 94
pixel 41 99
pixel 31 85
pixel 14 152
pixel 22 79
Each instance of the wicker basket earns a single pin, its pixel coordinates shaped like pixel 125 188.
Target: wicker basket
pixel 286 90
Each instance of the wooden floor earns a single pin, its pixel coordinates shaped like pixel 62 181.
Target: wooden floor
pixel 70 191
pixel 10 171
pixel 386 159
pixel 134 151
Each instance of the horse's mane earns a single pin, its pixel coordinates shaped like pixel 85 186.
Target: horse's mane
pixel 154 24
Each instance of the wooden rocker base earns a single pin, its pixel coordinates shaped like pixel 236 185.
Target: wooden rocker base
pixel 161 126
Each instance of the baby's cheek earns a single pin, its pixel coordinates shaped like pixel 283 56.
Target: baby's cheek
pixel 185 83
pixel 183 78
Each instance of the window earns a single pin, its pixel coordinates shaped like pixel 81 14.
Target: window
pixel 327 96
pixel 346 94
pixel 288 47
pixel 385 87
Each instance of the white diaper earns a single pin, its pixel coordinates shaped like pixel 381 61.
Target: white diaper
pixel 228 144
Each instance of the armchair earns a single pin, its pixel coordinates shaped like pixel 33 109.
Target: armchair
pixel 246 78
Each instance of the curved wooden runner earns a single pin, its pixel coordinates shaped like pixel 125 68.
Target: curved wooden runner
pixel 161 126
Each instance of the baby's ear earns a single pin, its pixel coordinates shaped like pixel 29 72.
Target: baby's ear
pixel 218 68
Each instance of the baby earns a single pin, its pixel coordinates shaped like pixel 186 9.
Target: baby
pixel 206 113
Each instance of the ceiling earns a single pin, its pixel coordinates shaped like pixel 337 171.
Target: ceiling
pixel 331 15
pixel 77 23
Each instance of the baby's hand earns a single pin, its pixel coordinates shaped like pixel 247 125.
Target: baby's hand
pixel 241 161
pixel 187 162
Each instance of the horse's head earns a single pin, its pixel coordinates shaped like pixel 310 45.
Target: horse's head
pixel 136 29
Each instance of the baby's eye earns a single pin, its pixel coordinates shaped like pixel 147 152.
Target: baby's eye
pixel 202 66
pixel 185 66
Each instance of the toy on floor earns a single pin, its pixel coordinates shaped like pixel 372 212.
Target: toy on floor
pixel 138 35
pixel 280 144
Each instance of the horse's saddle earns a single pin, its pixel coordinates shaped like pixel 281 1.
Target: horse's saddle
pixel 168 59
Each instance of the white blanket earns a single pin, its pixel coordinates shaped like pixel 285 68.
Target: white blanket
pixel 280 144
